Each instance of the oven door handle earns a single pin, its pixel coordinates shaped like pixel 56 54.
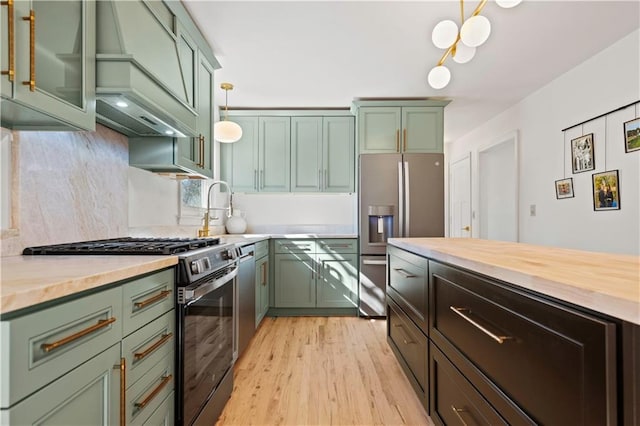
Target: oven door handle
pixel 191 295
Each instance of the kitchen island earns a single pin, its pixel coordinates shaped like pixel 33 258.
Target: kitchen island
pixel 509 333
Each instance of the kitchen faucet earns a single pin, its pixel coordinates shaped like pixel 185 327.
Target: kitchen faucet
pixel 204 232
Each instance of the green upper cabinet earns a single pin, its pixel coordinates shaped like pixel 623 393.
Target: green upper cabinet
pixel 274 154
pixel 285 152
pixel 338 154
pixel 400 126
pixel 239 160
pixel 260 160
pixel 48 82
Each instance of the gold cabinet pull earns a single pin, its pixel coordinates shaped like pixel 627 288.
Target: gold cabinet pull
pixel 457 412
pixel 404 142
pixel 165 337
pixel 264 273
pixel 202 151
pixel 397 140
pixel 466 228
pixel 12 61
pixel 495 337
pixel 153 299
pixel 32 50
pixel 123 388
pixel 156 391
pixel 48 347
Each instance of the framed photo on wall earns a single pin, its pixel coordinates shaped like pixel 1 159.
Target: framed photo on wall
pixel 606 191
pixel 564 188
pixel 632 135
pixel 582 158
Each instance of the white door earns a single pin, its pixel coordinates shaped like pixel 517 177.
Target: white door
pixel 498 190
pixel 460 197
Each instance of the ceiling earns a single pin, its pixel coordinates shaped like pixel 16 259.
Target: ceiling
pixel 326 53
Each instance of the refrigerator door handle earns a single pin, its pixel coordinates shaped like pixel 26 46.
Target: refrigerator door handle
pixel 407 197
pixel 400 201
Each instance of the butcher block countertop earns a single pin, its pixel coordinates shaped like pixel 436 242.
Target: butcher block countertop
pixel 29 280
pixel 603 282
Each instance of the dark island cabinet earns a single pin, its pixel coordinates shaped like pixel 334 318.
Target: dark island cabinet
pixel 539 362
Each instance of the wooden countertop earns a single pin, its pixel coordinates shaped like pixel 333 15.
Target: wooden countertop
pixel 29 280
pixel 603 282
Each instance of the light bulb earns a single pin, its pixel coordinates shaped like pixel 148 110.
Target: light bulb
pixel 508 3
pixel 439 77
pixel 464 53
pixel 227 131
pixel 444 34
pixel 475 31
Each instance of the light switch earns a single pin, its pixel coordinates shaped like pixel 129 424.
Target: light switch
pixel 532 210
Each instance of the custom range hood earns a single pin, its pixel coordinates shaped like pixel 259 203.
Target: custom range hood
pixel 145 68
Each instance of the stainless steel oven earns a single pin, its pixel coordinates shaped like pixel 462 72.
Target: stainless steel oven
pixel 206 318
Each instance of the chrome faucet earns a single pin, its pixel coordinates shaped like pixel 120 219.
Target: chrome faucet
pixel 204 232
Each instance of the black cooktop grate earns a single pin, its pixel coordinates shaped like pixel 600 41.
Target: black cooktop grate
pixel 125 246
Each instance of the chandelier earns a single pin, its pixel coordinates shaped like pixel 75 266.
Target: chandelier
pixel 461 44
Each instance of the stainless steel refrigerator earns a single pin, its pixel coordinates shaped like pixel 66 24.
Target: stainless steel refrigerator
pixel 400 195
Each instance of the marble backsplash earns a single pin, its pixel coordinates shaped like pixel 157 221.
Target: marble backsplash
pixel 72 186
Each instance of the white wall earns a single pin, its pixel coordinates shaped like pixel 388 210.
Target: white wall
pixel 603 83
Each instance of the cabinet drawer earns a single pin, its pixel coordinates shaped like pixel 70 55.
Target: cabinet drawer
pixel 148 393
pixel 88 395
pixel 164 415
pixel 147 298
pixel 556 364
pixel 44 345
pixel 262 248
pixel 147 346
pixel 407 284
pixel 337 245
pixel 412 347
pixel 453 400
pixel 295 246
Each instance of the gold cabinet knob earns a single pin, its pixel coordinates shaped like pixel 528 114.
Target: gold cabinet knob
pixel 467 228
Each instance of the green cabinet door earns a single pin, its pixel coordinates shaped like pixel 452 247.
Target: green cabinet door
pixel 88 395
pixel 306 154
pixel 53 84
pixel 379 129
pixel 422 129
pixel 274 154
pixel 337 284
pixel 262 288
pixel 295 282
pixel 239 160
pixel 338 156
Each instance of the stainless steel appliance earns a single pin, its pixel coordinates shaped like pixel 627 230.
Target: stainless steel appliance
pixel 206 317
pixel 400 195
pixel 246 318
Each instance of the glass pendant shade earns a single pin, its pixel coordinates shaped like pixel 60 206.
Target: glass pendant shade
pixel 444 34
pixel 439 77
pixel 464 53
pixel 508 3
pixel 475 31
pixel 227 131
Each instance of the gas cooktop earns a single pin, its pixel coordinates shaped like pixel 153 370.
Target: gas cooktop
pixel 125 246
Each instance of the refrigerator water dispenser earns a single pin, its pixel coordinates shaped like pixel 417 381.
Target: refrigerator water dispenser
pixel 380 224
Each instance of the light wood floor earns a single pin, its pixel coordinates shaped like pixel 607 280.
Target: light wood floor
pixel 321 371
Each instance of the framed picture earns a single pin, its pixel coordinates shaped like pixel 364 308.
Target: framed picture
pixel 632 135
pixel 582 159
pixel 564 188
pixel 606 191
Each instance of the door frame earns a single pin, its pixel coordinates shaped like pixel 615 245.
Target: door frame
pixel 512 139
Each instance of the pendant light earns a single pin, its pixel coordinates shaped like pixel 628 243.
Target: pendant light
pixel 226 131
pixel 461 44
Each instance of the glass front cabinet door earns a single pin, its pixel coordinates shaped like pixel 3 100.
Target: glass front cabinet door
pixel 48 64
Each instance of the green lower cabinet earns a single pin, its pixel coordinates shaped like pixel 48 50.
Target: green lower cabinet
pixel 262 288
pixel 295 283
pixel 89 395
pixel 337 284
pixel 315 280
